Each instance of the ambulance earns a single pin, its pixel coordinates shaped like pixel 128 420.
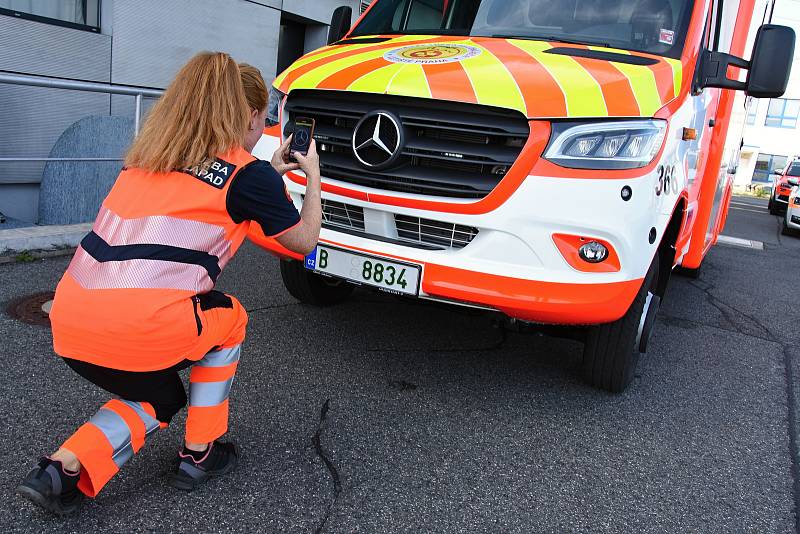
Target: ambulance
pixel 552 161
pixel 791 220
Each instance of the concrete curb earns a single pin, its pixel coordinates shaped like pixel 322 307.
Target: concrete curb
pixel 739 242
pixel 42 237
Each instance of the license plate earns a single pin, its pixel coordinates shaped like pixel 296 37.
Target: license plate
pixel 392 276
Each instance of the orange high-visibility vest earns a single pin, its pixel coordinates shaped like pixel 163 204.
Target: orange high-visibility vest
pixel 128 299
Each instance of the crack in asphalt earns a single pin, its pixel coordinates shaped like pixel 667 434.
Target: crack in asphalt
pixel 790 397
pixel 273 307
pixel 497 345
pixel 682 322
pixel 779 231
pixel 788 372
pixel 724 308
pixel 316 441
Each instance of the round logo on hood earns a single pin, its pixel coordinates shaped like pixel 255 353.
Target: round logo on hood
pixel 432 53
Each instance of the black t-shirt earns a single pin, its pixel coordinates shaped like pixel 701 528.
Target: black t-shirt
pixel 259 194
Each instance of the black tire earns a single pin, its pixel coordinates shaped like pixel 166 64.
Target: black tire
pixel 694 274
pixel 311 288
pixel 773 209
pixel 610 354
pixel 785 230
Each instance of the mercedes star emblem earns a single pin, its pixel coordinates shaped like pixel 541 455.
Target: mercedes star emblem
pixel 377 139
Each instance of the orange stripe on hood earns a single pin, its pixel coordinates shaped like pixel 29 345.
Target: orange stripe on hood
pixel 449 81
pixel 665 81
pixel 342 79
pixel 617 91
pixel 550 100
pixel 296 73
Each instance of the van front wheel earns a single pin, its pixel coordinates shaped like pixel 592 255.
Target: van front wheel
pixel 311 288
pixel 611 352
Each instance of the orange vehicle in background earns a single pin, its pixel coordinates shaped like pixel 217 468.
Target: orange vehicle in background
pixel 550 161
pixel 779 199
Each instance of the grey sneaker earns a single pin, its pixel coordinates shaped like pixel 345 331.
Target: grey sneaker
pixel 220 458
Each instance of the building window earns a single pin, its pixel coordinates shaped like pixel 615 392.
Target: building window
pixel 782 113
pixel 766 165
pixel 80 14
pixel 752 111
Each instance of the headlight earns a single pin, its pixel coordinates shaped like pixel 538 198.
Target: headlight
pixel 606 145
pixel 274 106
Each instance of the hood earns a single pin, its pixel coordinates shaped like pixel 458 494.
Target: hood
pixel 538 79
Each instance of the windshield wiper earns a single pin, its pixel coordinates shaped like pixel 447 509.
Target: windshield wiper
pixel 553 38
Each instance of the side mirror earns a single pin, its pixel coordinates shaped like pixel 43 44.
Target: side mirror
pixel 771 63
pixel 341 21
pixel 793 182
pixel 769 67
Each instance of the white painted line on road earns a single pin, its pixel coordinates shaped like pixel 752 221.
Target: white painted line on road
pixel 748 204
pixel 739 242
pixel 751 211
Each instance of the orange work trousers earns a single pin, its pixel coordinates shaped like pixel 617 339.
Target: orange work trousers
pixel 148 400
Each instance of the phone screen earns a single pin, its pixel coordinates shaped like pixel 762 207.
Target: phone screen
pixel 303 133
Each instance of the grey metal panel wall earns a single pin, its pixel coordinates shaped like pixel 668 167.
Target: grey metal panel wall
pixel 20 201
pixel 319 10
pixel 125 106
pixel 32 120
pixel 152 39
pixel 37 48
pixel 269 3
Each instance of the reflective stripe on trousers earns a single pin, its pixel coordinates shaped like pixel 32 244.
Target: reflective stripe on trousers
pixel 109 439
pixel 209 386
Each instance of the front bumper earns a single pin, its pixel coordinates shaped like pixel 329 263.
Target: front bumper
pixel 793 217
pixel 513 265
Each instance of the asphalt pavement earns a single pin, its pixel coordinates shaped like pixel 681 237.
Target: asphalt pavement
pixel 384 415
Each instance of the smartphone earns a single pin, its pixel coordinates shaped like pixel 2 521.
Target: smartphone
pixel 302 136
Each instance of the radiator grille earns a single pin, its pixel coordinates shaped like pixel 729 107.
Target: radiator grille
pixel 451 149
pixel 431 232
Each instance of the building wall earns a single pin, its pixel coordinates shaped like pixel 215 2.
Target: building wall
pixel 760 139
pixel 141 43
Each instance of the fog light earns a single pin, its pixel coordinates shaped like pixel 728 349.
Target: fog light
pixel 593 252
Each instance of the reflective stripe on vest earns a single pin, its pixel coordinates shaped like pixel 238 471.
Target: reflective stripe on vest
pixel 157 251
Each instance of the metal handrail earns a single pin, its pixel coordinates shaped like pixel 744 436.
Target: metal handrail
pixel 93 87
pixel 34 160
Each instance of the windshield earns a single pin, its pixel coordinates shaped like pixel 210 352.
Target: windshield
pixel 653 26
pixel 794 169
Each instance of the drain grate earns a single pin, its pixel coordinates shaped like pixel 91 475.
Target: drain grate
pixel 32 309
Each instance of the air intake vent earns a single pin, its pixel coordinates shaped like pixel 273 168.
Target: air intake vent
pixel 364 6
pixel 451 149
pixel 437 233
pixel 338 215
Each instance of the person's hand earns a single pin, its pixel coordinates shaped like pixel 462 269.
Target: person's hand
pixel 280 159
pixel 309 163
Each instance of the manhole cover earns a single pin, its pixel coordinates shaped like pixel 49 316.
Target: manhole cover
pixel 33 309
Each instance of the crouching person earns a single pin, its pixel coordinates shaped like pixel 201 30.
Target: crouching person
pixel 137 303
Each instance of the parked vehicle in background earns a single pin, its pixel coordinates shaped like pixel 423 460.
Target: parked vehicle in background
pixel 779 199
pixel 551 161
pixel 791 220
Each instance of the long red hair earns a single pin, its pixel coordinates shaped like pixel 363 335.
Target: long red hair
pixel 203 113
